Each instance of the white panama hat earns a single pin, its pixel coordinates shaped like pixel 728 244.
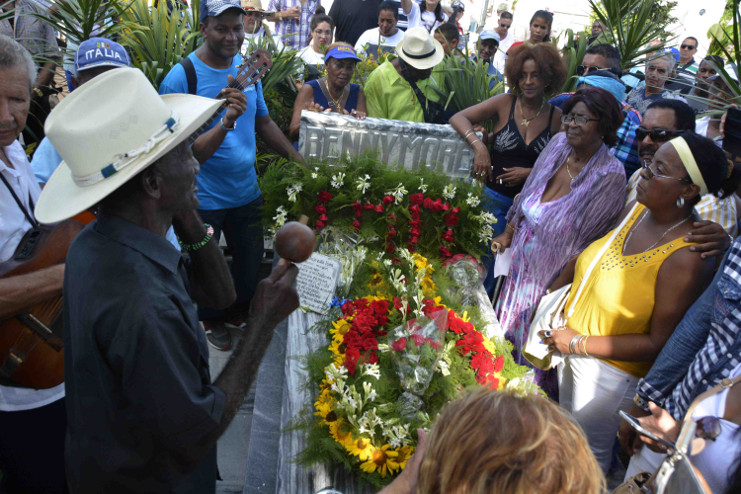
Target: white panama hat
pixel 107 131
pixel 419 49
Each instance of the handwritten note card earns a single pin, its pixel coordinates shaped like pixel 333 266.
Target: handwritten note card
pixel 316 282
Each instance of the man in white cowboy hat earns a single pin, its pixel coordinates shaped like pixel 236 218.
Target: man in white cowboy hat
pixel 230 198
pixel 389 91
pixel 32 422
pixel 143 415
pixel 255 30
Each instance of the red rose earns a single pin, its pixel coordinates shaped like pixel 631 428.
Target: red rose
pixel 323 218
pixel 356 225
pixel 388 200
pixel 324 196
pixel 415 232
pixel 417 198
pixel 414 239
pixel 358 213
pixel 368 206
pixel 428 203
pixel 419 340
pixel 392 232
pixel 390 248
pixel 445 252
pixel 446 206
pixel 357 205
pixel 437 205
pixel 392 217
pixel 493 383
pixel 450 220
pixel 448 236
pixel 455 210
pixel 399 345
pixel 379 208
pixel 320 209
pixel 499 363
pixel 414 210
pixel 319 225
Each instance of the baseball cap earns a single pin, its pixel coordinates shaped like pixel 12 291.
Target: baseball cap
pixel 340 52
pixel 100 52
pixel 488 34
pixel 214 8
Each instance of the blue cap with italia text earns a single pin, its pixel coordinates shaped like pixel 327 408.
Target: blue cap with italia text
pixel 100 52
pixel 214 8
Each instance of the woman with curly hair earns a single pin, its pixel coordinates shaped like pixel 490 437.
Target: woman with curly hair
pixel 523 123
pixel 496 441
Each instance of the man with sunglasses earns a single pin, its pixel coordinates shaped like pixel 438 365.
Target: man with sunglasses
pixel 686 68
pixel 506 39
pixel 601 68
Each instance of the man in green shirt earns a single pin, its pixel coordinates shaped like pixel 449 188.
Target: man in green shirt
pixel 388 92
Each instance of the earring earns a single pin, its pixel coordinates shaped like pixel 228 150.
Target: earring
pixel 680 202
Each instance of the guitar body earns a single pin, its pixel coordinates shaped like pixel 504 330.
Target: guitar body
pixel 31 349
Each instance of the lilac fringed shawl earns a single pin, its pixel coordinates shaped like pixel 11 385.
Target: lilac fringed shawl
pixel 582 216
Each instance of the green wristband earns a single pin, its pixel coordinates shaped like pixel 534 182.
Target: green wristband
pixel 206 238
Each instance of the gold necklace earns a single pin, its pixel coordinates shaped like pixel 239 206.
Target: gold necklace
pixel 567 169
pixel 526 121
pixel 335 101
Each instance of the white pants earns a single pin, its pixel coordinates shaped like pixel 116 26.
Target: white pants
pixel 593 391
pixel 644 460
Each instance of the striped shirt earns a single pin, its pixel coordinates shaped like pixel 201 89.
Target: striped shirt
pixel 294 33
pixel 721 351
pixel 710 207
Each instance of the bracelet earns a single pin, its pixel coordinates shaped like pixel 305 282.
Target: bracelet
pixel 584 345
pixel 510 227
pixel 641 403
pixel 280 16
pixel 227 129
pixel 206 238
pixel 470 131
pixel 572 344
pixel 475 141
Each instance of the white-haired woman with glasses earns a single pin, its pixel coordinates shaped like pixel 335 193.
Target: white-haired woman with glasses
pixel 638 289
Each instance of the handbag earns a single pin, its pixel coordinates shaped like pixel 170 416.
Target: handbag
pixel 550 311
pixel 676 474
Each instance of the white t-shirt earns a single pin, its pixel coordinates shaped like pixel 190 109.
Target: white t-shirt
pixel 310 57
pixel 373 37
pixel 430 22
pixel 500 57
pixel 13 226
pixel 256 37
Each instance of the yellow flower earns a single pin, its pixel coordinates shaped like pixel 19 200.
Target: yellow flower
pixel 489 345
pixel 341 326
pixel 341 433
pixel 383 460
pixel 405 452
pixel 360 447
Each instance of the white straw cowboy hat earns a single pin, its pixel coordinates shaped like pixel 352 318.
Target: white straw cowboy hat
pixel 419 49
pixel 255 6
pixel 109 130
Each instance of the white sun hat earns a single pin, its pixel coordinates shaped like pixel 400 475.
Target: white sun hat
pixel 419 49
pixel 107 131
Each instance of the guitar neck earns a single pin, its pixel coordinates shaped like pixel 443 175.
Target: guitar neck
pixel 249 72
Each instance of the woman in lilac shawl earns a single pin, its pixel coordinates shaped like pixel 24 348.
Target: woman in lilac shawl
pixel 572 197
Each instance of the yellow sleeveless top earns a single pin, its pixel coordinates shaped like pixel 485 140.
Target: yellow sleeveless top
pixel 618 297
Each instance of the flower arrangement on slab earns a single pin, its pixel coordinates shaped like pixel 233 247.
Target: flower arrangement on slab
pixel 420 210
pixel 396 356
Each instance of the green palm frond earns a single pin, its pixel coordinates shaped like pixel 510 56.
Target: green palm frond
pixel 158 38
pixel 731 52
pixel 77 20
pixel 631 26
pixel 573 55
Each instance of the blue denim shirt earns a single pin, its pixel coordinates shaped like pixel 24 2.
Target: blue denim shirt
pixel 705 346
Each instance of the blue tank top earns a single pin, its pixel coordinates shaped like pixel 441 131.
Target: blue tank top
pixel 320 99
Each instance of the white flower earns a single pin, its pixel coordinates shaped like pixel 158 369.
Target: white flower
pixel 372 370
pixel 398 193
pixel 387 262
pixel 338 180
pixel 315 173
pixel 363 184
pixel 422 185
pixel 472 200
pixel 281 215
pixel 442 367
pixel 449 192
pixel 293 191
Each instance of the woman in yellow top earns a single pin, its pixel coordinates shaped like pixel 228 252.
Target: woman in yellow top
pixel 638 290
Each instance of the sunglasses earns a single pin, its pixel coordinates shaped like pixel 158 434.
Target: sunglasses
pixel 657 135
pixel 581 69
pixel 688 47
pixel 505 26
pixel 651 173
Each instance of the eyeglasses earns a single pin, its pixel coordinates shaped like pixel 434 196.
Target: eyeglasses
pixel 651 173
pixel 581 69
pixel 505 26
pixel 577 119
pixel 708 427
pixel 657 135
pixel 688 47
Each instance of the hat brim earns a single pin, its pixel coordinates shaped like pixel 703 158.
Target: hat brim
pixel 62 198
pixel 422 63
pixel 259 11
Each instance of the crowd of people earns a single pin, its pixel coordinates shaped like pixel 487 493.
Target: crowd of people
pixel 623 189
